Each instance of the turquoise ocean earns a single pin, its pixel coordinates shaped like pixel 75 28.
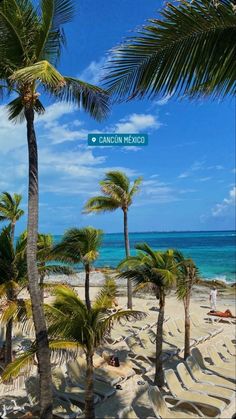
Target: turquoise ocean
pixel 214 252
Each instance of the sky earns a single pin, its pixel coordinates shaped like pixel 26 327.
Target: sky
pixel 188 168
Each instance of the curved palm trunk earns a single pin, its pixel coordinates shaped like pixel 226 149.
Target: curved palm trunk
pixel 9 326
pixel 127 251
pixel 43 352
pixel 89 404
pixel 87 297
pixel 187 327
pixel 159 374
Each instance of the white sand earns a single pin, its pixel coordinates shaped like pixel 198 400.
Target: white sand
pixel 131 392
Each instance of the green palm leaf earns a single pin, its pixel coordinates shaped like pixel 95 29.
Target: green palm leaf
pixel 190 50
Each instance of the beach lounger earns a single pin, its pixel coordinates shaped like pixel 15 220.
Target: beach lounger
pixel 161 409
pixel 127 413
pixel 62 408
pixel 222 349
pixel 230 346
pixel 79 379
pixel 61 388
pixel 219 362
pixel 212 390
pixel 148 342
pixel 203 376
pixel 108 373
pixel 222 372
pixel 213 405
pixel 195 333
pixel 203 328
pixel 138 351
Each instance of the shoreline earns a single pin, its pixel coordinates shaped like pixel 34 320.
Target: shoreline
pixel 97 278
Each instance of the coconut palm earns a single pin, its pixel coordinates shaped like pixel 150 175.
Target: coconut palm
pixel 13 275
pixel 188 50
pixel 73 326
pixel 80 246
pixel 187 277
pixel 47 260
pixel 10 209
pixel 31 43
pixel 117 192
pixel 157 271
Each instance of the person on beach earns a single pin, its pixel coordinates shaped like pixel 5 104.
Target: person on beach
pixel 212 298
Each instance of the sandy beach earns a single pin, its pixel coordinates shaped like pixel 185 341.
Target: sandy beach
pixel 132 392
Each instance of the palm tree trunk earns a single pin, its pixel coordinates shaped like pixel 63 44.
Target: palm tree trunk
pixel 8 347
pixel 87 298
pixel 187 327
pixel 127 251
pixel 159 374
pixel 43 351
pixel 13 224
pixel 89 404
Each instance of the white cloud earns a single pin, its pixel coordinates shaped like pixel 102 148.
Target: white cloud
pixel 136 123
pixel 222 208
pixel 93 73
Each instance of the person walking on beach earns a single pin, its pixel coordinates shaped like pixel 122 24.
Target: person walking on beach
pixel 212 298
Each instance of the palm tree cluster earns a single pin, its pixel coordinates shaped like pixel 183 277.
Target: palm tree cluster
pixel 189 50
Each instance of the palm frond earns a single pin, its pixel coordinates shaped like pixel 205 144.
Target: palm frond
pixel 42 71
pixel 18 27
pixel 101 204
pixel 90 98
pixel 190 50
pixel 21 364
pixel 54 13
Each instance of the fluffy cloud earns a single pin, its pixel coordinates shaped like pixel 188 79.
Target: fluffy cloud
pixel 93 73
pixel 136 123
pixel 223 207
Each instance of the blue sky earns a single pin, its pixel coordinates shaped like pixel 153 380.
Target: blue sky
pixel 188 167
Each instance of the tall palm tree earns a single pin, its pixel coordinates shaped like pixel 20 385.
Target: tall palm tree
pixel 187 277
pixel 13 274
pixel 31 43
pixel 157 271
pixel 73 326
pixel 10 209
pixel 117 192
pixel 188 50
pixel 80 246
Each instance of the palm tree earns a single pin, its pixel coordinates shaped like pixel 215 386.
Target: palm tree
pixel 73 326
pixel 80 246
pixel 157 271
pixel 189 50
pixel 31 42
pixel 10 209
pixel 117 193
pixel 47 260
pixel 187 277
pixel 13 274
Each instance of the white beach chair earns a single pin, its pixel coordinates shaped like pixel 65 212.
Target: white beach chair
pixel 78 378
pixel 61 407
pixel 222 372
pixel 203 328
pixel 161 409
pixel 195 333
pixel 212 390
pixel 231 348
pixel 219 362
pixel 207 404
pixel 203 376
